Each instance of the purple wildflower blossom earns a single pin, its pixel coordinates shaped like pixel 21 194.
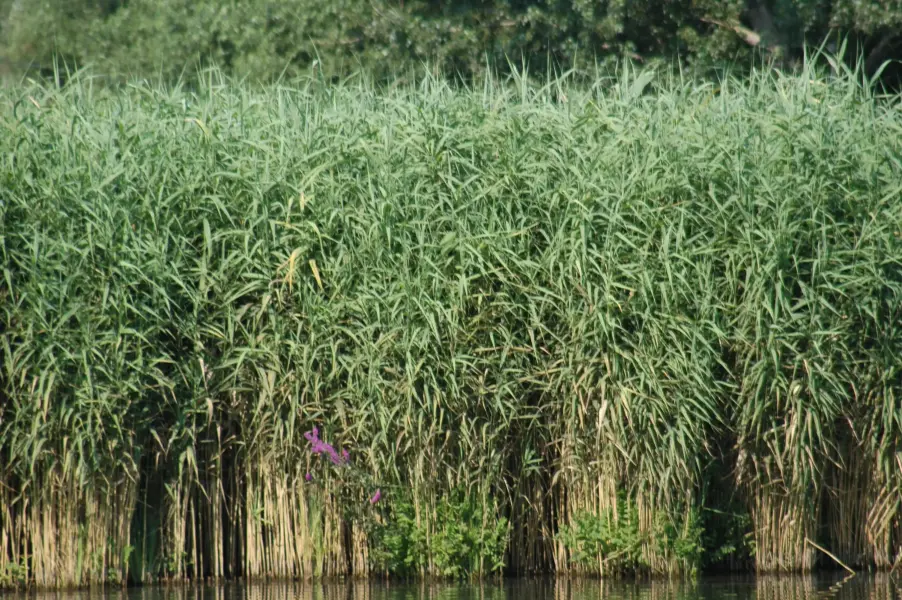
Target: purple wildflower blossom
pixel 308 477
pixel 312 436
pixel 376 497
pixel 317 446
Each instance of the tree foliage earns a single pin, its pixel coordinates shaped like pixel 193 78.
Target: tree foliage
pixel 264 39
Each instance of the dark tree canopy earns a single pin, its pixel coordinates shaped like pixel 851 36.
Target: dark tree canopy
pixel 265 38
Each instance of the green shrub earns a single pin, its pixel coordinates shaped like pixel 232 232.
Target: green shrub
pixel 13 575
pixel 465 538
pixel 263 39
pixel 614 540
pixel 606 539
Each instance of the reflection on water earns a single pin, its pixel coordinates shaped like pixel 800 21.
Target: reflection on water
pixel 861 587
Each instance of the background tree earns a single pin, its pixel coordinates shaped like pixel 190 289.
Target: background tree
pixel 264 39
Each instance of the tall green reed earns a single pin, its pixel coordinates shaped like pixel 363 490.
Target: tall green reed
pixel 546 297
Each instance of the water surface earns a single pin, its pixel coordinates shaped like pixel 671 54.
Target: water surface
pixel 860 587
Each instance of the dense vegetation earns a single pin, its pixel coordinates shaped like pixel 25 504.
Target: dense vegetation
pixel 639 326
pixel 266 38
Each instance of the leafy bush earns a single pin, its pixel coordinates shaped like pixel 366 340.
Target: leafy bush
pixel 398 543
pixel 468 538
pixel 614 539
pixel 608 539
pixel 265 38
pixel 13 575
pixel 727 538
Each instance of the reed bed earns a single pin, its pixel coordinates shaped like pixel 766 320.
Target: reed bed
pixel 565 303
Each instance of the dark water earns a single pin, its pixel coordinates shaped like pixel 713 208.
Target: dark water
pixel 860 587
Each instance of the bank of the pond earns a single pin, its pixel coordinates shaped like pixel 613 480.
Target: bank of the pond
pixel 647 326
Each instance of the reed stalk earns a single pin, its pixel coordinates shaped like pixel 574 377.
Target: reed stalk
pixel 551 299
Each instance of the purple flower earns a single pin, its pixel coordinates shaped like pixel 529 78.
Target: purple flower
pixel 346 456
pixel 308 477
pixel 376 497
pixel 317 446
pixel 323 447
